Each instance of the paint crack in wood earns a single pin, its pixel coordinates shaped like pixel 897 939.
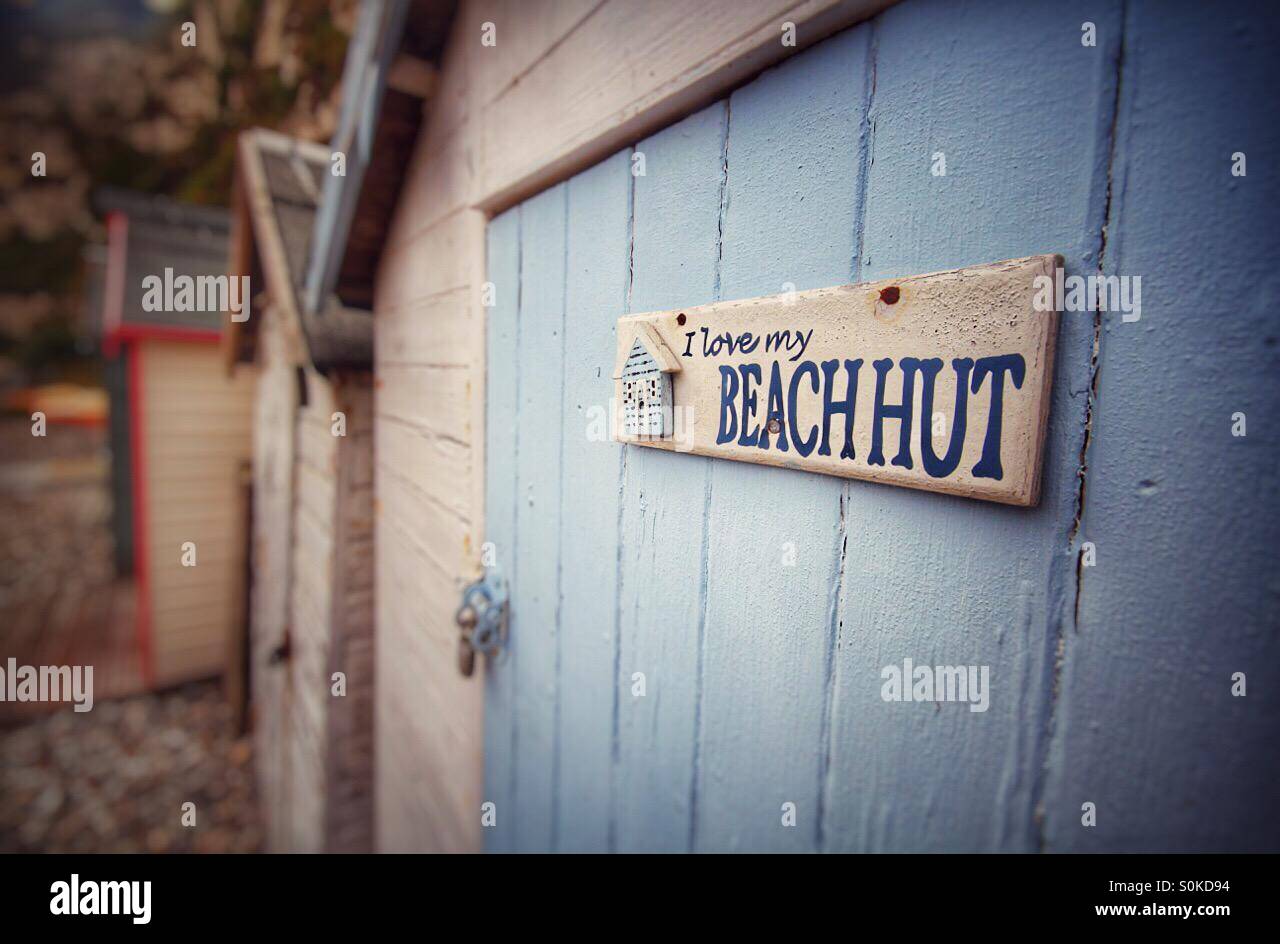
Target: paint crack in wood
pixel 724 193
pixel 835 632
pixel 1060 646
pixel 866 144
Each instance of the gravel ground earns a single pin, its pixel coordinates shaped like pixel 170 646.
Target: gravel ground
pixel 112 779
pixel 115 779
pixel 61 602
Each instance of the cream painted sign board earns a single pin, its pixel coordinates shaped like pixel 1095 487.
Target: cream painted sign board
pixel 938 382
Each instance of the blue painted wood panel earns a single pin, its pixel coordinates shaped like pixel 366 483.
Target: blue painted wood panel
pixel 675 260
pixel 761 605
pixel 501 422
pixel 535 599
pixel 1183 515
pixel 598 255
pixel 953 582
pixel 775 537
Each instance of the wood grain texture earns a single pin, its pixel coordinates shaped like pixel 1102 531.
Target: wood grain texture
pixel 409 282
pixel 663 533
pixel 535 600
pixel 1181 513
pixel 421 804
pixel 1113 159
pixel 424 807
pixel 526 31
pixel 313 574
pixel 404 447
pixel 311 590
pixel 436 332
pixel 597 260
pixel 407 388
pixel 628 69
pixel 348 731
pixel 773 563
pixel 977 315
pixel 428 288
pixel 933 579
pixel 273 457
pixel 198 430
pixel 500 515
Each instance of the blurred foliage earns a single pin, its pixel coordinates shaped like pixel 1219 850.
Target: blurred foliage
pixel 129 125
pixel 51 350
pixel 202 172
pixel 41 265
pixel 50 341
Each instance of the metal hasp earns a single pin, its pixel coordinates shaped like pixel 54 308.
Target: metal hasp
pixel 482 619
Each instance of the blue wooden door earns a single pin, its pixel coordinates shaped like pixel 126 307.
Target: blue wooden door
pixel 697 646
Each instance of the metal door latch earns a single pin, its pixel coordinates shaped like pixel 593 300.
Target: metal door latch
pixel 482 619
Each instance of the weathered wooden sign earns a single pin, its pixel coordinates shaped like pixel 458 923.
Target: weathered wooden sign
pixel 937 381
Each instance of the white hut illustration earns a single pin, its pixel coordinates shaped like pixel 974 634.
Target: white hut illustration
pixel 643 375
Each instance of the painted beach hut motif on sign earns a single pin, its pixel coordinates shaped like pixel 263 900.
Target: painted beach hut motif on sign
pixel 644 386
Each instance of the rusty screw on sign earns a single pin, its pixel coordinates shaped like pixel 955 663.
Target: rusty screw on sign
pixel 890 295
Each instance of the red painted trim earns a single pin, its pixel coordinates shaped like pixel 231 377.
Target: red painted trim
pixel 149 332
pixel 115 330
pixel 86 421
pixel 113 282
pixel 141 544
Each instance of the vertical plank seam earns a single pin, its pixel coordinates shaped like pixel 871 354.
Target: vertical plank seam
pixel 835 624
pixel 1059 657
pixel 631 235
pixel 724 196
pixel 611 840
pixel 287 771
pixel 836 618
pixel 1095 354
pixel 707 469
pixel 866 143
pixel 514 651
pixel 336 643
pixel 559 640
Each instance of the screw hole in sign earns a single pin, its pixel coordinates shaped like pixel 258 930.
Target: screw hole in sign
pixel 680 318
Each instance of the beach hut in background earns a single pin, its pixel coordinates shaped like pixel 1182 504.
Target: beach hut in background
pixel 179 435
pixel 311 651
pixel 309 224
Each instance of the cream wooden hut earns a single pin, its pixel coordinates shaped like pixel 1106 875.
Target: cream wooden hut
pixel 180 434
pixel 310 663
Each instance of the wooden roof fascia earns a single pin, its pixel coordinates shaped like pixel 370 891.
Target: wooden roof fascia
pixel 239 262
pixel 270 245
